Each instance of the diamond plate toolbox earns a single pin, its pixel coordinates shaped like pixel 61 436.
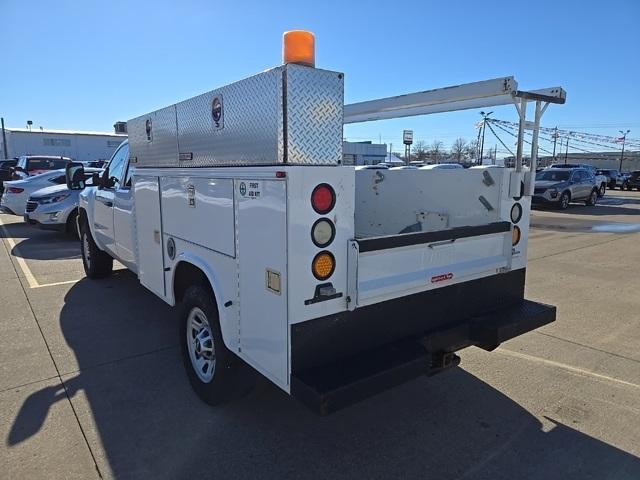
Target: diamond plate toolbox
pixel 290 114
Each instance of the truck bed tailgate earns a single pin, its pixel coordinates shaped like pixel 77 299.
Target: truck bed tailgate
pixel 382 268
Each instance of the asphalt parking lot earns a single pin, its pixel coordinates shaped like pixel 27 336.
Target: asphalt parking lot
pixel 92 384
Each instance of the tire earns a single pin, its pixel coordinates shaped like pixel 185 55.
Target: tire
pixel 72 226
pixel 96 263
pixel 593 198
pixel 602 190
pixel 565 198
pixel 216 374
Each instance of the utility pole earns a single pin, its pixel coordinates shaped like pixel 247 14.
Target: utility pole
pixel 555 139
pixel 484 126
pixel 566 152
pixel 624 139
pixel 495 155
pixel 4 140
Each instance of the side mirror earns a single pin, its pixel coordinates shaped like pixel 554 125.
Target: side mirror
pixel 74 172
pixel 95 179
pixel 105 179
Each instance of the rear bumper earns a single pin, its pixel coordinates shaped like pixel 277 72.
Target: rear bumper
pixel 338 362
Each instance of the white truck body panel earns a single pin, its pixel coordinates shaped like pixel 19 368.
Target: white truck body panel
pixel 189 201
pixel 386 274
pixel 262 250
pixel 149 234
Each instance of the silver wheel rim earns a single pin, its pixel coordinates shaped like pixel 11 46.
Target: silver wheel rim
pixel 200 345
pixel 85 250
pixel 565 201
pixel 594 197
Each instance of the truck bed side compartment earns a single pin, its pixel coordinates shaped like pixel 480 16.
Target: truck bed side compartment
pixel 148 224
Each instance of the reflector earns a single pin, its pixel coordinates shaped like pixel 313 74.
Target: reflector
pixel 515 235
pixel 323 265
pixel 322 232
pixel 323 198
pixel 516 212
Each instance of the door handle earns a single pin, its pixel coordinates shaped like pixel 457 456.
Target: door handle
pixel 108 203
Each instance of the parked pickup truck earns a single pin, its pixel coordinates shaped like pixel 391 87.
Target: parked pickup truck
pixel 333 282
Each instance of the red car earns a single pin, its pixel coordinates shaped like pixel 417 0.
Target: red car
pixel 29 165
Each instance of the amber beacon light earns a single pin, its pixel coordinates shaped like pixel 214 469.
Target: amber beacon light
pixel 298 46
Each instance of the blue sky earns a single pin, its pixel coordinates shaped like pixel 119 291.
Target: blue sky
pixel 84 65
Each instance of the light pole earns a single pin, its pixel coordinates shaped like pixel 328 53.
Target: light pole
pixel 484 126
pixel 624 139
pixel 555 139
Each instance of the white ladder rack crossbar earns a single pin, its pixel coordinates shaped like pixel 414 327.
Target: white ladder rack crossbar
pixel 486 93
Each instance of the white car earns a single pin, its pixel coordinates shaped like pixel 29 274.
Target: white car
pixel 55 207
pixel 17 192
pixel 441 166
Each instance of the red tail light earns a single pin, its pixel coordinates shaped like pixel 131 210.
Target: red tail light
pixel 323 198
pixel 15 190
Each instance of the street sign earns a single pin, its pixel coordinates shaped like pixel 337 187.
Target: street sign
pixel 407 137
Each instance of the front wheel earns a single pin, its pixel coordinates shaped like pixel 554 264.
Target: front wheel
pixel 72 225
pixel 96 263
pixel 565 198
pixel 593 198
pixel 215 373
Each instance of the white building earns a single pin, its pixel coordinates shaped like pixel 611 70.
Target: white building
pixel 363 153
pixel 78 145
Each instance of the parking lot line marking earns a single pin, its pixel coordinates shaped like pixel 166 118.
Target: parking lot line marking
pixel 33 283
pixel 564 366
pixel 53 284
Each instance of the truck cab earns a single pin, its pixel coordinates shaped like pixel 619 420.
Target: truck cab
pixel 107 210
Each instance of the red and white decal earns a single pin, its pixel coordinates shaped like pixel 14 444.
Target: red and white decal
pixel 442 277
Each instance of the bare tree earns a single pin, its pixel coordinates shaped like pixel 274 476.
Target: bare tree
pixel 435 150
pixel 473 151
pixel 420 151
pixel 459 149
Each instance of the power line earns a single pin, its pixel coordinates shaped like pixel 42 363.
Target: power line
pixel 579 136
pixel 499 139
pixel 525 141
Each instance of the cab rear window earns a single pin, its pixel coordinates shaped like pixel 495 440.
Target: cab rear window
pixel 36 164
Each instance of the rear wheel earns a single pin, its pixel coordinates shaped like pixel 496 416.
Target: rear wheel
pixel 565 198
pixel 215 373
pixel 96 263
pixel 593 198
pixel 602 190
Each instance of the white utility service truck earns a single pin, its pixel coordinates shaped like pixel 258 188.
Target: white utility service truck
pixel 332 282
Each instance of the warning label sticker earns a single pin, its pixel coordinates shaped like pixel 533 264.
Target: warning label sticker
pixel 250 189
